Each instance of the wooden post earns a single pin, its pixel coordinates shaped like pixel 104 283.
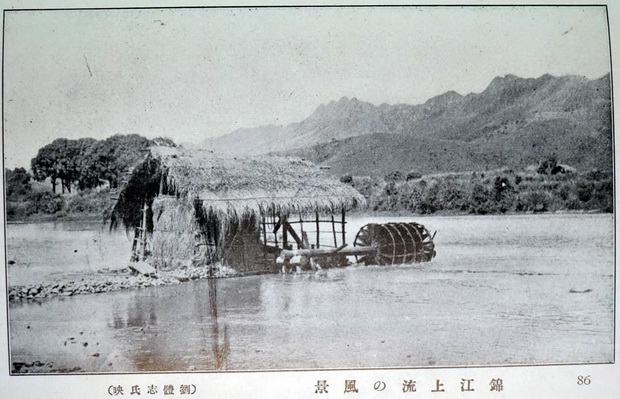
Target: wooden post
pixel 275 234
pixel 334 231
pixel 318 242
pixel 135 245
pixel 301 229
pixel 344 234
pixel 143 232
pixel 284 233
pixel 264 231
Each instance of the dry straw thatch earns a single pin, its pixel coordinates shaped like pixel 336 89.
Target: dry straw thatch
pixel 174 224
pixel 172 215
pixel 228 190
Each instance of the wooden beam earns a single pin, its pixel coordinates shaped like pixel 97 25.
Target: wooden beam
pixel 284 232
pixel 343 249
pixel 287 227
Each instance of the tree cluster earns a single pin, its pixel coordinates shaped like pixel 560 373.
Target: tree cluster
pixel 88 163
pixel 17 182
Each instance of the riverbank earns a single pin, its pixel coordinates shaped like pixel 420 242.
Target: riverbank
pixel 79 217
pixel 455 213
pixel 492 192
pixel 41 204
pixel 485 192
pixel 107 280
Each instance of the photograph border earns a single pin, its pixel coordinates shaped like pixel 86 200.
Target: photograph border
pixel 431 369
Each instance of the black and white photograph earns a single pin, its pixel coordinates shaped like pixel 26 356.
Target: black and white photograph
pixel 216 190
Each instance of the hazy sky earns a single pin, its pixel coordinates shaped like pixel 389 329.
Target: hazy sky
pixel 198 73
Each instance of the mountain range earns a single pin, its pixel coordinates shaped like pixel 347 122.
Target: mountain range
pixel 514 122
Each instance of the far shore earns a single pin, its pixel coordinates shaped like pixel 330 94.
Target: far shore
pixel 451 213
pixel 80 217
pixel 45 218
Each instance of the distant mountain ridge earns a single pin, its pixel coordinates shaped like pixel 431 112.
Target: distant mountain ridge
pixel 512 123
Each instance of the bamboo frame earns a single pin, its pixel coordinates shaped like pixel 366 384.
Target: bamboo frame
pixel 313 229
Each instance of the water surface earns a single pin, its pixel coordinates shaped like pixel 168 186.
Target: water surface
pixel 520 289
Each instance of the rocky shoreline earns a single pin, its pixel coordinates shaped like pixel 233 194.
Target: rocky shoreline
pixel 113 280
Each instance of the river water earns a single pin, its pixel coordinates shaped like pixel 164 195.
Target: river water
pixel 503 290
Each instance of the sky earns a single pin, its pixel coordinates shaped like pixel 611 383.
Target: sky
pixel 192 74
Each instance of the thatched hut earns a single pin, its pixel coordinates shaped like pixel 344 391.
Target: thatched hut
pixel 195 205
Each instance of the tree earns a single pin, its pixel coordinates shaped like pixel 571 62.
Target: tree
pixel 17 182
pixel 49 162
pixel 117 154
pixel 65 160
pixel 89 162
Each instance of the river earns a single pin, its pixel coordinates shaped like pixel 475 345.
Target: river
pixel 503 290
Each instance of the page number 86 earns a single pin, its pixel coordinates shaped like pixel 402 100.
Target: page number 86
pixel 581 380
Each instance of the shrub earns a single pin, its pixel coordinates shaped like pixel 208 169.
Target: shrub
pixel 501 185
pixel 479 199
pixel 413 175
pixel 17 210
pixel 492 192
pixel 547 166
pixel 367 186
pixel 394 176
pixel 40 202
pixel 90 202
pixel 347 179
pixel 535 201
pixel 596 175
pixel 45 202
pixel 584 191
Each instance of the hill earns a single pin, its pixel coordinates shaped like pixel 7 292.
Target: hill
pixel 512 123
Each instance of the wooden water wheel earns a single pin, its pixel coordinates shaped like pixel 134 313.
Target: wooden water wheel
pixel 395 243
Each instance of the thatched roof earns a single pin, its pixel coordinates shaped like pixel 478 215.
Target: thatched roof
pixel 232 188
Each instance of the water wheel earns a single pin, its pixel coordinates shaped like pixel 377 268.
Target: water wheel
pixel 395 243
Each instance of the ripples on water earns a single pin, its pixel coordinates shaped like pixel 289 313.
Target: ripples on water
pixel 502 290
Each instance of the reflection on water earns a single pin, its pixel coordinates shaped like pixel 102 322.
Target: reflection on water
pixel 190 323
pixel 138 315
pixel 502 290
pixel 220 350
